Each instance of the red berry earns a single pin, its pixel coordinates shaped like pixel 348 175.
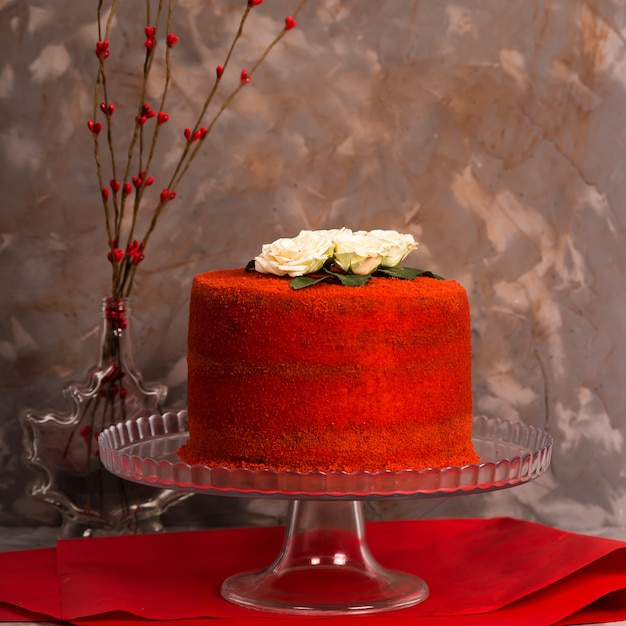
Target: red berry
pixel 94 127
pixel 102 49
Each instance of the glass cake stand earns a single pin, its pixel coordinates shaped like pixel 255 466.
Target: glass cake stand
pixel 325 566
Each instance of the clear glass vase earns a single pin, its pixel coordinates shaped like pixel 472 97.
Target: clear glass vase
pixel 62 449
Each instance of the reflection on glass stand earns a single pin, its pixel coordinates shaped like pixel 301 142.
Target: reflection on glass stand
pixel 324 567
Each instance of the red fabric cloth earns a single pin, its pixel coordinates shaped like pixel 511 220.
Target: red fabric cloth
pixel 498 571
pixel 28 584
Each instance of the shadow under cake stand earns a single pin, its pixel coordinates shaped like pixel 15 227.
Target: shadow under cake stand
pixel 325 566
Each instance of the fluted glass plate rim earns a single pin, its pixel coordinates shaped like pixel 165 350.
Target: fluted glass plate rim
pixel 143 450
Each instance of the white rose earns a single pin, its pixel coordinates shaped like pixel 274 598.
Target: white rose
pixel 300 255
pixel 358 253
pixel 396 246
pixel 334 233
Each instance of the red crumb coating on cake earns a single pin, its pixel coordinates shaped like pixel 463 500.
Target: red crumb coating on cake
pixel 329 377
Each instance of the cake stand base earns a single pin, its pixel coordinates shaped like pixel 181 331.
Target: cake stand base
pixel 325 568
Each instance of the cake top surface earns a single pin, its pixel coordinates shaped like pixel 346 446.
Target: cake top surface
pixel 242 281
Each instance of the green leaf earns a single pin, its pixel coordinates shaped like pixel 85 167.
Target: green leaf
pixel 301 282
pixel 429 274
pixel 250 265
pixel 353 280
pixel 407 273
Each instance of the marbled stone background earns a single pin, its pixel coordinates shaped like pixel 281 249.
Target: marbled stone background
pixel 493 131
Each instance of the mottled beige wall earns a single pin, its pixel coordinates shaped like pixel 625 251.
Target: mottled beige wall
pixel 493 131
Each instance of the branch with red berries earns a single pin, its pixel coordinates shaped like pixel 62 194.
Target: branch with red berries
pixel 128 179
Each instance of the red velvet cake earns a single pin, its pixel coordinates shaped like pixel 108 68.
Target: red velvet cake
pixel 375 377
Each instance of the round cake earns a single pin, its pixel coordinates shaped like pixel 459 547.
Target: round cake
pixel 331 377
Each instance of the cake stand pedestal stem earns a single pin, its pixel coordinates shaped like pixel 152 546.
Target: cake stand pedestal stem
pixel 325 568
